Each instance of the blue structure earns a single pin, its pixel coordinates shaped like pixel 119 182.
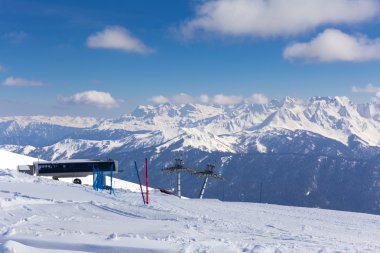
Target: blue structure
pixel 111 176
pixel 98 178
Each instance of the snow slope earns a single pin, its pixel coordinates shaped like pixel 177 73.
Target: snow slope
pixel 42 215
pixel 9 160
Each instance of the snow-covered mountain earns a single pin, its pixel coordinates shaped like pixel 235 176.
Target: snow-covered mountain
pixel 207 127
pixel 321 152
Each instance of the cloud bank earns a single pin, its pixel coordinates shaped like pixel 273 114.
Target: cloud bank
pixel 369 88
pixel 219 99
pixel 159 99
pixel 92 97
pixel 257 98
pixel 117 38
pixel 334 45
pixel 21 82
pixel 264 18
pixel 182 98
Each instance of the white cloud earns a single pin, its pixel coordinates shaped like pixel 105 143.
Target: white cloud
pixel 119 38
pixel 16 81
pixel 369 88
pixel 92 97
pixel 334 45
pixel 275 17
pixel 257 98
pixel 182 98
pixel 204 99
pixel 15 37
pixel 221 99
pixel 159 99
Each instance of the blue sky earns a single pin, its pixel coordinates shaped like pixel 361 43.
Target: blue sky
pixel 102 58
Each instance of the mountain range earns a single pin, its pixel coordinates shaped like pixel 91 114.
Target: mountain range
pixel 323 152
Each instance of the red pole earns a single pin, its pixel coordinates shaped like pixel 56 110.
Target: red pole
pixel 146 181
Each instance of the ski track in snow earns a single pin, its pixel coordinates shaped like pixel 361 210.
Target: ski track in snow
pixel 42 215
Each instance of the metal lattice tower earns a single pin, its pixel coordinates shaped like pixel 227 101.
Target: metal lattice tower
pixel 208 172
pixel 178 168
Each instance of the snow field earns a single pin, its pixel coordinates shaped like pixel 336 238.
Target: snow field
pixel 43 215
pixel 38 214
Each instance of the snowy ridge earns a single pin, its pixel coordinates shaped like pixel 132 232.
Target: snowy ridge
pixel 23 121
pixel 43 215
pixel 212 128
pixel 336 118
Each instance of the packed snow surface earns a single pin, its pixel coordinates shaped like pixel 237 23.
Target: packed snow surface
pixel 42 215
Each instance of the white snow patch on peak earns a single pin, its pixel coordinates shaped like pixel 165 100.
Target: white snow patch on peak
pixel 343 100
pixel 260 147
pixel 66 148
pixel 291 102
pixel 206 141
pixel 142 110
pixel 202 140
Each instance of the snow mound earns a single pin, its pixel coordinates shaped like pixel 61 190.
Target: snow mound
pixel 9 160
pixel 16 247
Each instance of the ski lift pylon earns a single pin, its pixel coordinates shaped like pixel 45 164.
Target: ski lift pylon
pixel 178 167
pixel 208 172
